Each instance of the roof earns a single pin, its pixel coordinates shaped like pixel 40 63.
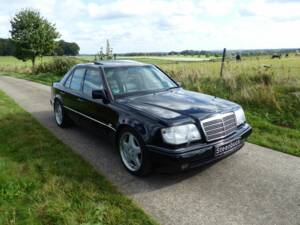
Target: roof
pixel 113 63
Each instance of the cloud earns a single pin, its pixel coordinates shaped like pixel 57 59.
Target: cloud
pixel 273 9
pixel 245 12
pixel 282 1
pixel 164 25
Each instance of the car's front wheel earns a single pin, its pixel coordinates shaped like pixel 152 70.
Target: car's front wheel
pixel 132 153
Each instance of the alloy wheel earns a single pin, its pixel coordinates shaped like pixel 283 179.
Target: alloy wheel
pixel 58 113
pixel 130 151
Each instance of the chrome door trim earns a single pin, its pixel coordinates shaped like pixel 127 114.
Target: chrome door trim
pixel 97 121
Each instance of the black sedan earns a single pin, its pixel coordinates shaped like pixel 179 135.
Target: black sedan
pixel 155 123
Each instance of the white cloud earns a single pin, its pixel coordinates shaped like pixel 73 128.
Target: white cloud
pixel 274 9
pixel 164 25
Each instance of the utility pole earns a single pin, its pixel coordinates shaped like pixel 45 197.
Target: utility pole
pixel 222 64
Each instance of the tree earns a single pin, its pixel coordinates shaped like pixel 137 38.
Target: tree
pixel 32 35
pixel 59 49
pixel 6 47
pixel 66 48
pixel 71 49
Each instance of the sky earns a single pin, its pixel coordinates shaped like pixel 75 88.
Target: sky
pixel 166 25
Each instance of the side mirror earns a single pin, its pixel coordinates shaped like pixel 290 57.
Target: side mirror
pixel 98 94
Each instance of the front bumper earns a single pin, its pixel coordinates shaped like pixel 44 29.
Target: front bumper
pixel 195 155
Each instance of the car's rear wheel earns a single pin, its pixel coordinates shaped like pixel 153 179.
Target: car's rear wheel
pixel 60 116
pixel 132 153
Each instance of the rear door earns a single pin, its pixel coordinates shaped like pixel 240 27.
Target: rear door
pixel 72 97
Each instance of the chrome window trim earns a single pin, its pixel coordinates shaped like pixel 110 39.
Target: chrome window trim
pixel 97 121
pixel 217 117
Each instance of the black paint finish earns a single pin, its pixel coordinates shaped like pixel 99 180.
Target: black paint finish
pixel 148 113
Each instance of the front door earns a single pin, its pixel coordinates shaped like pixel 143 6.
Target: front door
pixel 99 111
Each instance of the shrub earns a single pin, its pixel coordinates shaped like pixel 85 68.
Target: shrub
pixel 57 66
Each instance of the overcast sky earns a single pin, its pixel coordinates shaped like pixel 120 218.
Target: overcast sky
pixel 164 25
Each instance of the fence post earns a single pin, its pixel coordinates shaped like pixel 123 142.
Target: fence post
pixel 222 64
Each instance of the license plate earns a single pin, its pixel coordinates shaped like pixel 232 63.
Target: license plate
pixel 221 150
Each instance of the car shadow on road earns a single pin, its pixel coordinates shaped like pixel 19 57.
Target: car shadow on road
pixel 118 174
pixel 98 150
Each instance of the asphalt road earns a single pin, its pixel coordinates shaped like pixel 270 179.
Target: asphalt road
pixel 254 186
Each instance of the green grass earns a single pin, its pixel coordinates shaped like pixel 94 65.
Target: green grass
pixel 269 135
pixel 43 182
pixel 12 64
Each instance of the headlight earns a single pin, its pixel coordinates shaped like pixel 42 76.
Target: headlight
pixel 180 134
pixel 240 116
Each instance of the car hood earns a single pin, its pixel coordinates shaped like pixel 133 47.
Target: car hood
pixel 178 103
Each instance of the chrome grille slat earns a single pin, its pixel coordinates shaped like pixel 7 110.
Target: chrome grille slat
pixel 215 130
pixel 215 133
pixel 229 121
pixel 219 126
pixel 214 124
pixel 230 125
pixel 214 127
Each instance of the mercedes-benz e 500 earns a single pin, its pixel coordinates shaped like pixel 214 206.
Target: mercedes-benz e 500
pixel 155 123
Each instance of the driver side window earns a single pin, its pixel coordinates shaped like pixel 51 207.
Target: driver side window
pixel 92 81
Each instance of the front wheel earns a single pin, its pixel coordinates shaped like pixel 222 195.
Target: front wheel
pixel 132 153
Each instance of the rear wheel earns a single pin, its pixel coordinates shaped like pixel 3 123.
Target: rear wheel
pixel 132 153
pixel 60 116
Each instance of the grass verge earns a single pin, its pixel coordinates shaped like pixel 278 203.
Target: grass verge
pixel 46 79
pixel 266 134
pixel 43 182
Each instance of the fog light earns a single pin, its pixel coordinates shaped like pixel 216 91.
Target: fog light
pixel 184 166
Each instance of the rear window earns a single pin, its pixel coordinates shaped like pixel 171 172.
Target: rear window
pixel 67 84
pixel 77 79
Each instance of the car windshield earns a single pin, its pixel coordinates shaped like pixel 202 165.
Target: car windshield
pixel 134 79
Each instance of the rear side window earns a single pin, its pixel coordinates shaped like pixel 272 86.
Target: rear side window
pixel 92 82
pixel 67 84
pixel 77 79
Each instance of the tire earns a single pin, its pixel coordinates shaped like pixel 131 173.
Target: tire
pixel 60 116
pixel 132 152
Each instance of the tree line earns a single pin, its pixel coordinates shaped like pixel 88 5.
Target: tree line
pixel 8 48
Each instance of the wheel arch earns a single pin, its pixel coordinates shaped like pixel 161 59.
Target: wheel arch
pixel 57 98
pixel 137 127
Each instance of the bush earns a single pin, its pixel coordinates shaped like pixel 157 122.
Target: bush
pixel 57 66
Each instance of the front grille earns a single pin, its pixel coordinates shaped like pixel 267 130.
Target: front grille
pixel 219 126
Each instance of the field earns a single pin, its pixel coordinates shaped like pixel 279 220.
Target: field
pixel 268 89
pixel 10 63
pixel 172 58
pixel 43 182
